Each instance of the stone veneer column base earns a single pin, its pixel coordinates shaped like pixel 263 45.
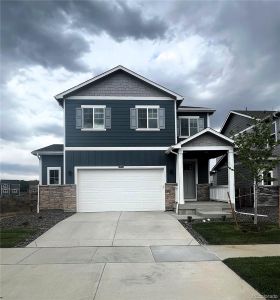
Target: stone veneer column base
pixel 57 197
pixel 203 192
pixel 170 195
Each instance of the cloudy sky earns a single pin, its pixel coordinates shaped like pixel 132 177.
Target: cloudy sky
pixel 224 55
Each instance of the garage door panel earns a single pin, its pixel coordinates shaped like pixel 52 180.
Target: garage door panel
pixel 120 190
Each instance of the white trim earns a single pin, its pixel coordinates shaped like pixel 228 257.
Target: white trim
pixel 93 107
pixel 118 98
pixel 175 112
pixel 275 133
pixel 115 148
pixel 231 177
pixel 147 107
pixel 196 178
pixel 180 178
pixel 196 109
pixel 208 120
pixel 40 169
pixel 233 112
pixel 48 175
pixel 64 142
pixel 189 117
pixel 61 95
pixel 77 168
pixel 271 174
pixel 205 148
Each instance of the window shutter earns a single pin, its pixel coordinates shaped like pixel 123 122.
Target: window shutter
pixel 108 118
pixel 161 118
pixel 133 118
pixel 200 124
pixel 79 113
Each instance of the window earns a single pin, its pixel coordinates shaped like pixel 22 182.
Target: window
pixel 5 191
pixel 190 126
pixel 14 191
pixel 267 178
pixel 147 118
pixel 93 117
pixel 54 175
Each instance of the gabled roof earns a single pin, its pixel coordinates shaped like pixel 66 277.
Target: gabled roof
pixel 54 149
pixel 117 68
pixel 250 114
pixel 182 108
pixel 206 130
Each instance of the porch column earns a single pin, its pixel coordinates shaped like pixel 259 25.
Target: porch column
pixel 231 183
pixel 180 177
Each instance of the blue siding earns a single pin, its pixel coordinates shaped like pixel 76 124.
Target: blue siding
pixel 120 135
pixel 51 161
pixel 119 158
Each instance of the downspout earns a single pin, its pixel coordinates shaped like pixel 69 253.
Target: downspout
pixel 38 198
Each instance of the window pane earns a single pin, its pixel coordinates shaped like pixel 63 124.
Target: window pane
pixel 87 117
pixel 99 118
pixel 193 126
pixel 153 117
pixel 184 127
pixel 267 178
pixel 142 118
pixel 54 177
pixel 200 124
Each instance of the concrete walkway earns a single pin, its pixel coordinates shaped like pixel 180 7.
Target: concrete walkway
pixel 226 251
pixel 116 229
pixel 156 263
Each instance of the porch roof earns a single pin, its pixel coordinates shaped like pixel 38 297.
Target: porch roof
pixel 206 131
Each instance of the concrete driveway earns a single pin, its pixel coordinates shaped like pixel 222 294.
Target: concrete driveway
pixel 153 259
pixel 116 229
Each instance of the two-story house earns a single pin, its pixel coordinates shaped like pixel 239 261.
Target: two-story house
pixel 129 145
pixel 239 121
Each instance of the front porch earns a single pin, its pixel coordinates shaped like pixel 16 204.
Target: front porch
pixel 194 190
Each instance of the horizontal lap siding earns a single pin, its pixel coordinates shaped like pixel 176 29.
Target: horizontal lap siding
pixel 236 124
pixel 120 134
pixel 51 161
pixel 119 158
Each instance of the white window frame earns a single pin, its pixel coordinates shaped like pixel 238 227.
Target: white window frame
pixel 147 107
pixel 48 175
pixel 187 117
pixel 271 174
pixel 275 132
pixel 93 107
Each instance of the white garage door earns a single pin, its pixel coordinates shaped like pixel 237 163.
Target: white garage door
pixel 120 189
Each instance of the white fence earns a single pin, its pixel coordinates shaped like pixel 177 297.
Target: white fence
pixel 219 193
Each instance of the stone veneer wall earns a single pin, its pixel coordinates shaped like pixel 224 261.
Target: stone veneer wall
pixel 57 197
pixel 170 195
pixel 268 196
pixel 203 192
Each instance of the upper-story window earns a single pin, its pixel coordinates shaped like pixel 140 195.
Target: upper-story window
pixel 147 117
pixel 93 117
pixel 190 125
pixel 267 178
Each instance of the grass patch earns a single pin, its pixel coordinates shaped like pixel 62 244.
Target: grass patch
pixel 11 237
pixel 262 273
pixel 218 233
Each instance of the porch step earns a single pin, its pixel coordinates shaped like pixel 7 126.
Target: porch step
pixel 193 206
pixel 213 213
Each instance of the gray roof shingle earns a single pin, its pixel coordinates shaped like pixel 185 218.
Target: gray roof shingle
pixel 50 148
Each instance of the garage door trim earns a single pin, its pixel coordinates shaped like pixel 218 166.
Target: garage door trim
pixel 77 168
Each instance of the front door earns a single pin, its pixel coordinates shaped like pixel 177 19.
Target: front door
pixel 189 180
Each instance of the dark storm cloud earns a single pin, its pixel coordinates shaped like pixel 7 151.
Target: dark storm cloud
pixel 250 31
pixel 50 33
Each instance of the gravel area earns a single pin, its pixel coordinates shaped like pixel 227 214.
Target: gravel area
pixel 188 226
pixel 40 222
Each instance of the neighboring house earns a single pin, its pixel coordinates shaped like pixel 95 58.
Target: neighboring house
pixel 10 187
pixel 129 145
pixel 239 121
